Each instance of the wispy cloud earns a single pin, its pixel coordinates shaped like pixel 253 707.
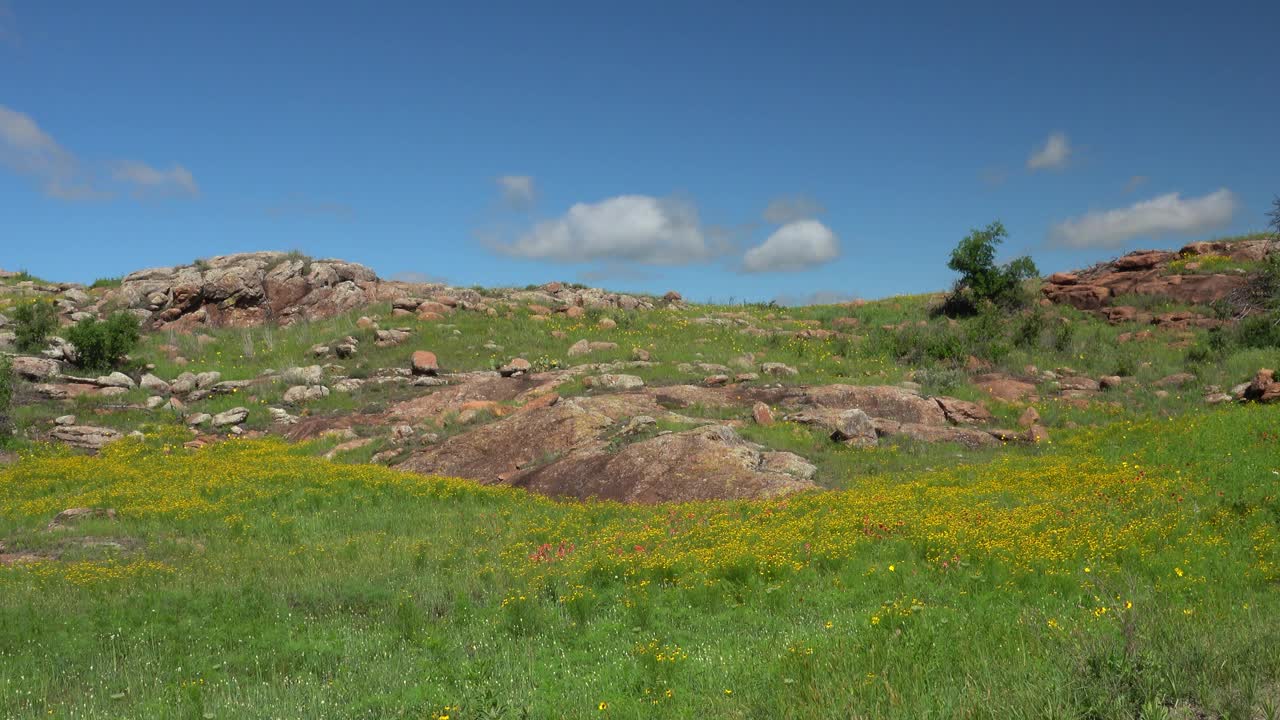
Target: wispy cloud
pixel 1055 153
pixel 1164 215
pixel 1135 182
pixel 146 179
pixel 627 228
pixel 994 177
pixel 8 25
pixel 798 245
pixel 32 152
pixel 787 208
pixel 518 191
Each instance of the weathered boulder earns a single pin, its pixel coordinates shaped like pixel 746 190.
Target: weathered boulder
pixel 154 384
pixel 704 464
pixel 85 437
pixel 35 368
pixel 299 394
pixel 308 375
pixel 518 366
pixel 761 413
pixel 880 401
pixel 116 379
pixel 855 428
pixel 970 437
pixel 1264 387
pixel 777 369
pixel 585 347
pixel 1006 388
pixel 74 516
pixel 1175 380
pixel 963 412
pixel 423 362
pixel 234 416
pixel 609 381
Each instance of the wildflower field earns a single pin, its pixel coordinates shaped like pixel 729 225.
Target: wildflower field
pixel 1125 571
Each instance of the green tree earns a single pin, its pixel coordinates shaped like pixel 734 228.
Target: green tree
pixel 100 345
pixel 981 279
pixel 33 323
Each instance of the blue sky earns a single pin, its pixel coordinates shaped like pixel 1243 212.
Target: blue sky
pixel 726 150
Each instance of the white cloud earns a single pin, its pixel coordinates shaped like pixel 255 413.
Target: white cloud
pixel 145 178
pixel 635 228
pixel 1166 214
pixel 518 191
pixel 787 208
pixel 1054 154
pixel 28 150
pixel 795 246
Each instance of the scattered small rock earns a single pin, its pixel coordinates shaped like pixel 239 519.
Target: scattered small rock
pixel 234 416
pixel 518 366
pixel 299 394
pixel 73 516
pixel 761 413
pixel 613 382
pixel 424 362
pixel 777 369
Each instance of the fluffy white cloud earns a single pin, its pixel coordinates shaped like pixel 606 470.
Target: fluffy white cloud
pixel 1054 154
pixel 787 208
pixel 145 178
pixel 635 228
pixel 517 190
pixel 1166 214
pixel 795 246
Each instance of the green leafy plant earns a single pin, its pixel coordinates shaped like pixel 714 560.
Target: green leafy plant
pixel 34 322
pixel 981 279
pixel 100 345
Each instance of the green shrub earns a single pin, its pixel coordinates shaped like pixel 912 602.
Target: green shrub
pixel 33 323
pixel 107 282
pixel 6 395
pixel 1029 331
pixel 981 280
pixel 100 345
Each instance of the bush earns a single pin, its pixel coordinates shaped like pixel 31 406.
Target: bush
pixel 33 323
pixel 101 345
pixel 981 280
pixel 6 395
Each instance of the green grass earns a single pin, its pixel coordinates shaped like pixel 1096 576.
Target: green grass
pixel 1123 572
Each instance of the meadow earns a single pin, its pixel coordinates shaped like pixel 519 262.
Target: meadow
pixel 1125 571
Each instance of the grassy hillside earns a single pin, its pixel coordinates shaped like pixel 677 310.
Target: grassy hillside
pixel 1125 571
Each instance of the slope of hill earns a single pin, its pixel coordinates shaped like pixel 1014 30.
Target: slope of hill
pixel 1070 511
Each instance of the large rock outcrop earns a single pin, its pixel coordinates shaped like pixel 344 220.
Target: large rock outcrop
pixel 1148 272
pixel 247 289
